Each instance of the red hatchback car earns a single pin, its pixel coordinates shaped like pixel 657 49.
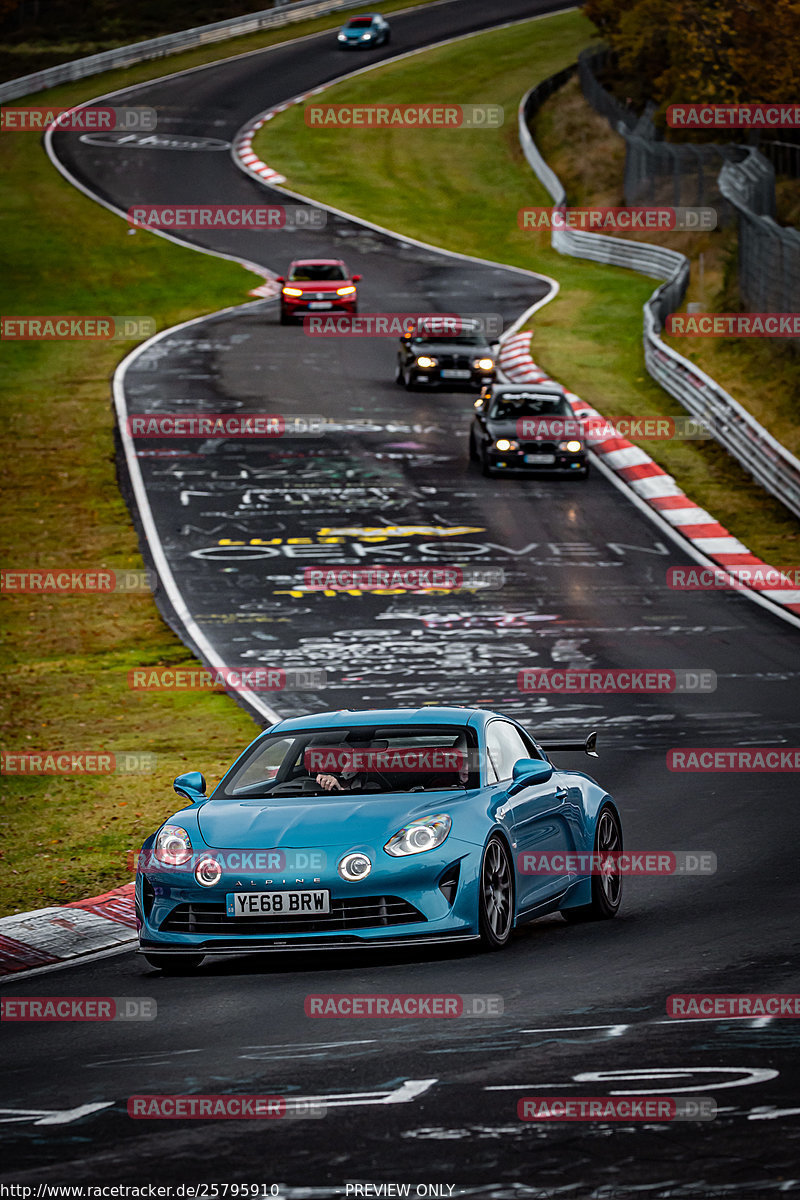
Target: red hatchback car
pixel 317 285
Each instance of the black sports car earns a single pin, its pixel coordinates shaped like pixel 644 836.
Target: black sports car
pixel 527 427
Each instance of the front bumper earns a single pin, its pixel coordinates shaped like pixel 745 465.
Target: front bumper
pixel 401 902
pixel 432 377
pixel 337 304
pixel 564 463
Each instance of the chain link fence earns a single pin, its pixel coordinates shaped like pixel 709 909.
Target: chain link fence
pixel 753 447
pixel 738 181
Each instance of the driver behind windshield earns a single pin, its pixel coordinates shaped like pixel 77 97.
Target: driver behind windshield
pixel 349 778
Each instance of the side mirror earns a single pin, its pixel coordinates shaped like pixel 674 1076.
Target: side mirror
pixel 280 279
pixel 355 278
pixel 529 771
pixel 192 786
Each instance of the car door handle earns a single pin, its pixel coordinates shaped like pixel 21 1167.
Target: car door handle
pixel 561 793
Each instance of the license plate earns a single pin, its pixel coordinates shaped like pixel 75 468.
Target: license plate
pixel 455 373
pixel 320 304
pixel 277 904
pixel 540 460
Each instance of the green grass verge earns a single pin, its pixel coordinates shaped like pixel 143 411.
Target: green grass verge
pixel 66 658
pixel 462 189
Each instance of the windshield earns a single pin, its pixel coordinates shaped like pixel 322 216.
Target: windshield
pixel 383 759
pixel 359 23
pixel 322 271
pixel 510 405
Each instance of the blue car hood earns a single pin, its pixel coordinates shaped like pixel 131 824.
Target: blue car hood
pixel 296 821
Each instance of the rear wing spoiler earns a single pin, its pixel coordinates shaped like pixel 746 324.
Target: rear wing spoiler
pixel 588 747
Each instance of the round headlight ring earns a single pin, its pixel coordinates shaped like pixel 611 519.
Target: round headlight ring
pixel 208 872
pixel 355 866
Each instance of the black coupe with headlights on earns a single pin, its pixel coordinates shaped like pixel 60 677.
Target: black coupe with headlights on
pixel 527 428
pixel 445 357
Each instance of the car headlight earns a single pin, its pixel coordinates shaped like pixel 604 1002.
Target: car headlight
pixel 505 444
pixel 354 866
pixel 346 291
pixel 342 37
pixel 173 846
pixel 366 37
pixel 572 446
pixel 208 871
pixel 425 360
pixel 290 291
pixel 425 834
pixel 483 364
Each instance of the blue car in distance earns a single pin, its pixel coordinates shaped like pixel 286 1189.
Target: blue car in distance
pixel 377 828
pixel 363 31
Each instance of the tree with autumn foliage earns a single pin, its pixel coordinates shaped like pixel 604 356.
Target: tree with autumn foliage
pixel 702 51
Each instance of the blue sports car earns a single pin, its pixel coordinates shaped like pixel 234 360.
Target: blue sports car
pixel 362 32
pixel 378 828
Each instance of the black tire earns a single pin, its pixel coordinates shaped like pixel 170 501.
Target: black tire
pixel 408 382
pixel 398 375
pixel 496 895
pixel 285 319
pixel 486 470
pixel 387 39
pixel 606 888
pixel 473 449
pixel 175 964
pixel 584 474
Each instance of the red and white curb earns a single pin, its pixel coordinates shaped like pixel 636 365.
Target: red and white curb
pixel 243 143
pixel 55 935
pixel 244 153
pixel 652 484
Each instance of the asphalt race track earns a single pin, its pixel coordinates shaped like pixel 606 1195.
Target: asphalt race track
pixel 415 1101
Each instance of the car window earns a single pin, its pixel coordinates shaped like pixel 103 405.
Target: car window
pixel 316 271
pixel 359 22
pixel 510 405
pixel 264 767
pixel 390 758
pixel 504 747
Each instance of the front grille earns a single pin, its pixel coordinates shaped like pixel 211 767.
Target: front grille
pixel 454 360
pixel 360 912
pixel 538 447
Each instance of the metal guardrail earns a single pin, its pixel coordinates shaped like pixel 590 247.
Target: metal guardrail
pixel 169 43
pixel 756 450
